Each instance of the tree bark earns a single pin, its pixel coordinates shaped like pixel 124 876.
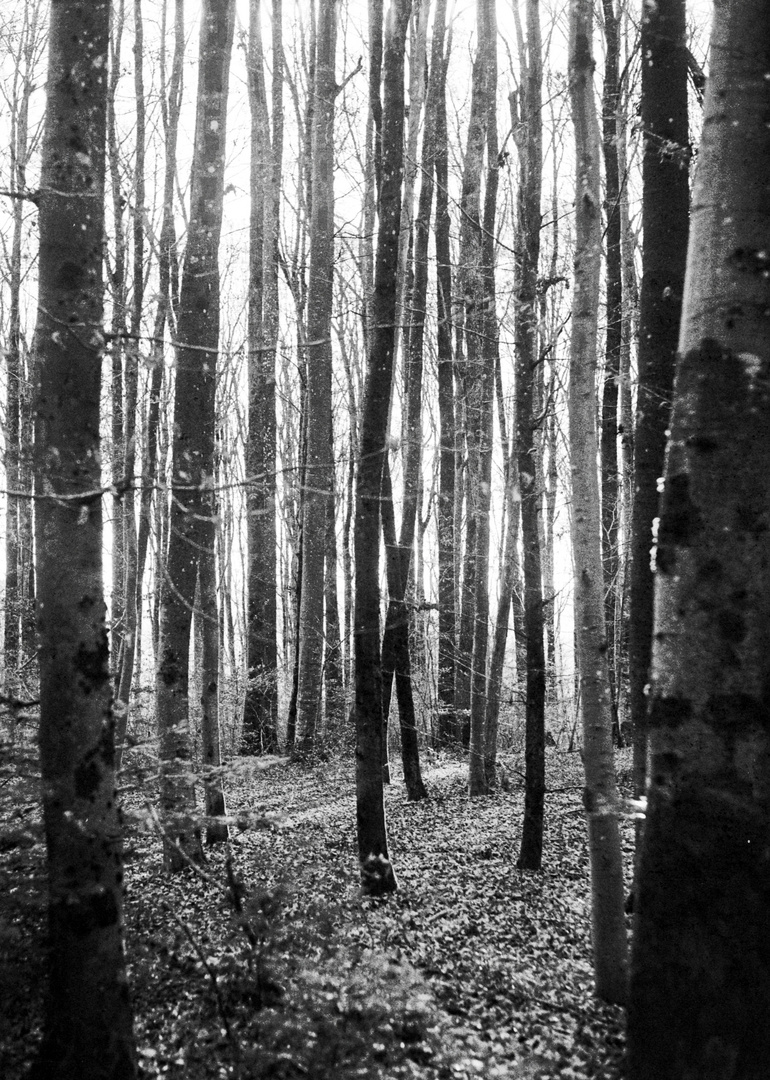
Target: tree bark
pixel 528 135
pixel 447 593
pixel 260 710
pixel 88 1026
pixel 193 509
pixel 376 870
pixel 610 483
pixel 700 986
pixel 600 795
pixel 665 215
pixel 319 465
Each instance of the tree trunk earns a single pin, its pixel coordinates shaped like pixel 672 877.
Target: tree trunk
pixel 447 595
pixel 665 217
pixel 700 987
pixel 132 587
pixel 319 466
pixel 18 547
pixel 600 795
pixel 193 506
pixel 528 135
pixel 88 1026
pixel 610 485
pixel 260 710
pixel 376 870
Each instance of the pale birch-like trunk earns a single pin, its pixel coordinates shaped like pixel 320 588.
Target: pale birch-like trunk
pixel 600 795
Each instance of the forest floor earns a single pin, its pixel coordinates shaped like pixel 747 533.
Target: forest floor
pixel 472 969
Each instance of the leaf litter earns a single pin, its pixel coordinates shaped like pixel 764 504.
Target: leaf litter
pixel 270 964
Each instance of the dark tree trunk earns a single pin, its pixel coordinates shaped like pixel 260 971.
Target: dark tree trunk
pixel 665 220
pixel 376 870
pixel 260 710
pixel 317 489
pixel 88 1027
pixel 700 984
pixel 193 506
pixel 528 134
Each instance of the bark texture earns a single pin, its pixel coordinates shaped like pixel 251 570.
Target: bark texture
pixel 665 220
pixel 88 1027
pixel 192 531
pixel 700 986
pixel 376 870
pixel 528 135
pixel 600 796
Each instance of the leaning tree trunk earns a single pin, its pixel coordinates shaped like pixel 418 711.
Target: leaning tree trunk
pixel 600 795
pixel 88 1027
pixel 700 985
pixel 665 214
pixel 193 504
pixel 376 870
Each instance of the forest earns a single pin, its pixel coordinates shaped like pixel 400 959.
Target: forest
pixel 385 539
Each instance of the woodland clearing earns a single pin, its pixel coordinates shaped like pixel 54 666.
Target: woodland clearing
pixel 270 964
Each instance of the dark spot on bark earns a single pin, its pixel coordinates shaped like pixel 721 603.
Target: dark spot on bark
pixel 704 444
pixel 710 571
pixel 733 711
pixel 70 276
pixel 95 912
pixel 92 665
pixel 86 603
pixel 589 800
pixel 670 712
pixel 87 778
pixel 169 669
pixel 665 559
pixel 732 626
pixel 750 517
pixel 750 260
pixel 680 520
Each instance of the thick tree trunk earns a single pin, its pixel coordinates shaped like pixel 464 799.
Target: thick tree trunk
pixel 600 796
pixel 319 465
pixel 88 1027
pixel 665 213
pixel 528 135
pixel 700 986
pixel 193 507
pixel 376 871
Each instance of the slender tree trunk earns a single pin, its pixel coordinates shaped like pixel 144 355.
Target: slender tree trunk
pixel 319 466
pixel 131 588
pixel 528 134
pixel 88 1026
pixel 193 506
pixel 600 796
pixel 447 608
pixel 376 870
pixel 665 213
pixel 700 985
pixel 610 486
pixel 260 712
